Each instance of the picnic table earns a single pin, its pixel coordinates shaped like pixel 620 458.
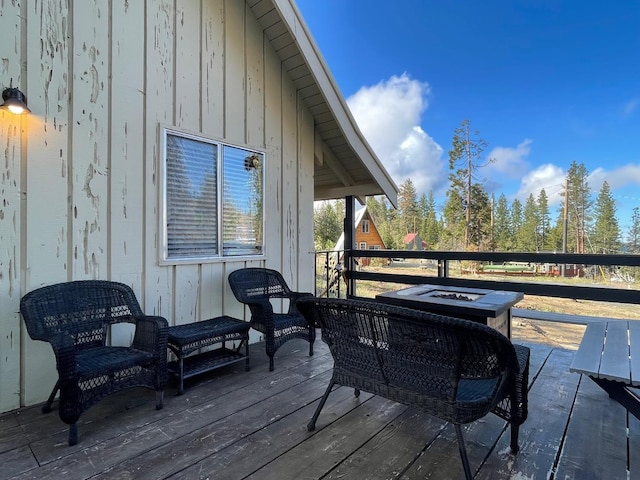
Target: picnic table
pixel 609 354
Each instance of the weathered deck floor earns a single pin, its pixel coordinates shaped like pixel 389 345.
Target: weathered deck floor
pixel 233 424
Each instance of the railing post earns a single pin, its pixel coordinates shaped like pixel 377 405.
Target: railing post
pixel 349 243
pixel 443 268
pixel 326 269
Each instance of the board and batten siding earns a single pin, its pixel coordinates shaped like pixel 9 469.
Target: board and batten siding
pixel 79 176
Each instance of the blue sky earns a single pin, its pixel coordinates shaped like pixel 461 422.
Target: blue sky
pixel 545 83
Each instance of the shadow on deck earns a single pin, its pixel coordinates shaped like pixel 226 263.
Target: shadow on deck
pixel 232 424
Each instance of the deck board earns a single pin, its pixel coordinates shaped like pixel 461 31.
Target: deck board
pixel 586 358
pixel 550 402
pixel 393 449
pixel 232 424
pixel 596 443
pixel 615 354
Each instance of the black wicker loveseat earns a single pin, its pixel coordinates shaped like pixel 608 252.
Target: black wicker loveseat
pixel 74 317
pixel 456 370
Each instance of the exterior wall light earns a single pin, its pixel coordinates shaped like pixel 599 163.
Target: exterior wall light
pixel 14 101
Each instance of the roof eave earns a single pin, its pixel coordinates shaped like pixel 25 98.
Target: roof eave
pixel 384 184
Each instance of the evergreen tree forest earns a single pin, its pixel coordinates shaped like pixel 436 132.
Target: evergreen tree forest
pixel 472 219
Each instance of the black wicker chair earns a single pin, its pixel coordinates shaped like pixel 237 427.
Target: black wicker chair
pixel 74 317
pixel 255 287
pixel 456 370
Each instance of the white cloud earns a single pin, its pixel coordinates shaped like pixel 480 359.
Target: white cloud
pixel 552 178
pixel 511 161
pixel 547 176
pixel 389 115
pixel 620 177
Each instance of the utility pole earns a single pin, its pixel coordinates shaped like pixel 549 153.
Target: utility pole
pixel 469 178
pixel 565 222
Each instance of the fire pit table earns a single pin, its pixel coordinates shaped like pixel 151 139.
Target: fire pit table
pixel 490 307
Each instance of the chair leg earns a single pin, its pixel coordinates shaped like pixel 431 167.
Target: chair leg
pixel 311 426
pixel 463 453
pixel 46 408
pixel 159 399
pixel 247 364
pixel 515 429
pixel 271 363
pixel 73 434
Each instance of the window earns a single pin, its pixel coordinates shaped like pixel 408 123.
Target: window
pixel 213 199
pixel 363 246
pixel 365 226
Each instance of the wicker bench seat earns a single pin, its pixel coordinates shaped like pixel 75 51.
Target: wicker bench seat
pixel 456 370
pixel 184 340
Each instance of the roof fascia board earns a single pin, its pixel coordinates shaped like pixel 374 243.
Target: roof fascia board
pixel 310 52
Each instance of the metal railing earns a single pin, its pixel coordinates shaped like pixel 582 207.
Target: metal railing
pixel 334 278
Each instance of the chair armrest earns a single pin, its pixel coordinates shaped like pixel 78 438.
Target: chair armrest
pixel 261 309
pixel 295 297
pixel 64 349
pixel 151 334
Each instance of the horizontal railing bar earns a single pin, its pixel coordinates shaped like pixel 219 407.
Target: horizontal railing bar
pixel 543 289
pixel 566 258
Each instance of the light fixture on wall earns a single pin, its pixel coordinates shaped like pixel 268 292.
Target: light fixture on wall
pixel 252 162
pixel 14 101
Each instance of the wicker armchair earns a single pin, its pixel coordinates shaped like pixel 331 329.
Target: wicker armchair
pixel 74 318
pixel 456 370
pixel 255 287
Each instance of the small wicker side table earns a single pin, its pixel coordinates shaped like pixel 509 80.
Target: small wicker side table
pixel 186 339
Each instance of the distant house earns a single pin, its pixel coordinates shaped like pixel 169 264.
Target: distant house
pixel 367 235
pixel 413 241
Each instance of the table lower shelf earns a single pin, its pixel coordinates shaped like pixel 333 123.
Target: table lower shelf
pixel 196 364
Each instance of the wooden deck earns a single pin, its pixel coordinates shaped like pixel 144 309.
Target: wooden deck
pixel 233 424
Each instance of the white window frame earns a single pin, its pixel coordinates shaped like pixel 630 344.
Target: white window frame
pixel 254 155
pixel 363 246
pixel 365 226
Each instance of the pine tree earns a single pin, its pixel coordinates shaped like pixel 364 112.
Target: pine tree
pixel 633 236
pixel 453 231
pixel 527 236
pixel 377 208
pixel 502 225
pixel 554 238
pixel 430 228
pixel 479 228
pixel 606 231
pixel 544 220
pixel 464 156
pixel 578 207
pixel 516 223
pixel 408 205
pixel 327 227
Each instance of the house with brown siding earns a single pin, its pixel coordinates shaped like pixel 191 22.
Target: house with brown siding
pixel 367 236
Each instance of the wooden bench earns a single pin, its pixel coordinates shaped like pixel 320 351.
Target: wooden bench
pixel 183 340
pixel 609 354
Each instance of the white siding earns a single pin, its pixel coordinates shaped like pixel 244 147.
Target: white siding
pixel 11 177
pixel 79 177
